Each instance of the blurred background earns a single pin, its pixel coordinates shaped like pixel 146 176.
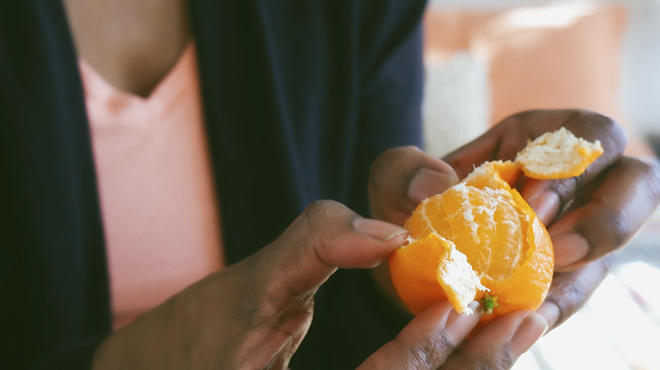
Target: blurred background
pixel 487 59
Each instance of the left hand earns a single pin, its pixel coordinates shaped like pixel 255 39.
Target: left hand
pixel 587 216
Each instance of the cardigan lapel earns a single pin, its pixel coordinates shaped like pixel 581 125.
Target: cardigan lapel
pixel 252 144
pixel 52 234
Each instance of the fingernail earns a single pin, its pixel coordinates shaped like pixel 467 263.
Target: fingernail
pixel 426 183
pixel 569 248
pixel 546 205
pixel 460 325
pixel 550 313
pixel 529 331
pixel 378 229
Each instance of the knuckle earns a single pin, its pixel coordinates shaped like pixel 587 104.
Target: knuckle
pixel 646 174
pixel 614 220
pixel 495 359
pixel 612 130
pixel 415 358
pixel 323 221
pixel 565 189
pixel 498 360
pixel 378 173
pixel 614 229
pixel 430 352
pixel 617 225
pixel 323 210
pixel 317 216
pixel 568 298
pixel 503 362
pixel 604 128
pixel 650 170
pixel 436 349
pixel 392 154
pixel 620 226
pixel 572 291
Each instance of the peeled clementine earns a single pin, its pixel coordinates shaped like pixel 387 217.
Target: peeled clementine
pixel 480 240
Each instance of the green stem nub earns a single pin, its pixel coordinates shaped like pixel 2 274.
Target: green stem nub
pixel 489 302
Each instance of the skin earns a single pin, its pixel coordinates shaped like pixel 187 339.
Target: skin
pixel 261 312
pixel 588 217
pixel 133 44
pixel 255 314
pixel 263 305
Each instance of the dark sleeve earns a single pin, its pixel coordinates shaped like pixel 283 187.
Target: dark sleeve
pixel 352 318
pixel 391 86
pixel 75 356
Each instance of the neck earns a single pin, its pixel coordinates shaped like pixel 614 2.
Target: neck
pixel 132 43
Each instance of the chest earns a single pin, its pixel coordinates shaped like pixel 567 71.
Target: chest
pixel 132 43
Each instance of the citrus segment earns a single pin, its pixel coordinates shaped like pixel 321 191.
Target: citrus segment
pixel 558 154
pixel 432 269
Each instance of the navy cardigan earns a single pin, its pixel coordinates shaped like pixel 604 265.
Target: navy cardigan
pixel 299 97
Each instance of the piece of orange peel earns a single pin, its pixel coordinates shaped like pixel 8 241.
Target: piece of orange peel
pixel 557 155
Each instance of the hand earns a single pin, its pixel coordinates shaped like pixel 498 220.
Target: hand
pixel 400 178
pixel 588 217
pixel 255 314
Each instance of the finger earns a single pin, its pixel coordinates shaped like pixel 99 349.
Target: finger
pixel 504 140
pixel 327 235
pixel 275 303
pixel 545 202
pixel 510 136
pixel 402 177
pixel 607 214
pixel 427 341
pixel 571 290
pixel 399 180
pixel 499 344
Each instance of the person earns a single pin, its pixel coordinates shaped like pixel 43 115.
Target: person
pixel 301 102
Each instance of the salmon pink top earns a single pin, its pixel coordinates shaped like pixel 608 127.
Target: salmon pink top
pixel 162 226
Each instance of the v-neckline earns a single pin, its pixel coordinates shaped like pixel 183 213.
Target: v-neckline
pixel 160 97
pixel 159 87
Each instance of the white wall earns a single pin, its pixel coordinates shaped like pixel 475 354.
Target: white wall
pixel 642 64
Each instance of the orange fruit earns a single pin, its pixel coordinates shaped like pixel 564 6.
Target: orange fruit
pixel 479 240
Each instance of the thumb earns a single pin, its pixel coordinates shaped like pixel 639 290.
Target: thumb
pixel 402 177
pixel 277 284
pixel 326 236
